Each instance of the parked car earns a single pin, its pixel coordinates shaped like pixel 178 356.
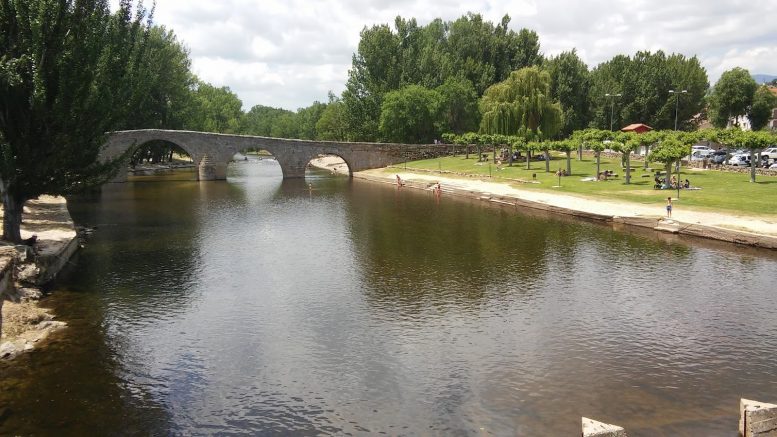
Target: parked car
pixel 701 154
pixel 769 152
pixel 719 157
pixel 701 147
pixel 739 160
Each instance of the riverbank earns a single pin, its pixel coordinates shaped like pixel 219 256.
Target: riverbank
pixel 24 324
pixel 740 229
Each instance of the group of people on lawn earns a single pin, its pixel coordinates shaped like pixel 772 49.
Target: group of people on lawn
pixel 674 184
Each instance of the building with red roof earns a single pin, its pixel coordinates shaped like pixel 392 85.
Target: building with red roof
pixel 637 128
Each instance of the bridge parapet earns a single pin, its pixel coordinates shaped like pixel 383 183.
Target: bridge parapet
pixel 292 155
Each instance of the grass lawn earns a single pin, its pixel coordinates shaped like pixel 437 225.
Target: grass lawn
pixel 720 191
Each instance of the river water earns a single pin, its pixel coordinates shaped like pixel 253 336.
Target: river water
pixel 260 306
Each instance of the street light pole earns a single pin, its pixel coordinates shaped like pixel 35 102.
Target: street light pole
pixel 677 103
pixel 612 105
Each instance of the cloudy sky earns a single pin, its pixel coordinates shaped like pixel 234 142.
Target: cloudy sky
pixel 289 53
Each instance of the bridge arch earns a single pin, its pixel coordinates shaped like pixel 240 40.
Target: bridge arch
pixel 332 162
pixel 212 152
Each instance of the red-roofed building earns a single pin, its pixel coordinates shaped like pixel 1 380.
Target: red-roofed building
pixel 637 128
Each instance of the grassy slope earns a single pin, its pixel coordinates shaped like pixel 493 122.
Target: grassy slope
pixel 721 191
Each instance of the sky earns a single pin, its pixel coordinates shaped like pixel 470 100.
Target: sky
pixel 290 53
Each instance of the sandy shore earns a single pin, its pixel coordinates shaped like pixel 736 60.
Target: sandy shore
pixel 744 229
pixel 334 164
pixel 24 323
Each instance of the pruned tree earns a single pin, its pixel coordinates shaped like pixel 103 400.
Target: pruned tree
pixel 626 142
pixel 667 152
pixel 593 139
pixel 567 146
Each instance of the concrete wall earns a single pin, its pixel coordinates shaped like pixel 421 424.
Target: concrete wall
pixel 212 152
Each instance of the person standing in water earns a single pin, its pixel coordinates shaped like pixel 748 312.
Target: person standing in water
pixel 669 207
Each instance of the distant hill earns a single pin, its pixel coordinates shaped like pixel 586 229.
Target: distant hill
pixel 763 78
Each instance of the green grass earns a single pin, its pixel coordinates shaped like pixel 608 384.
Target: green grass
pixel 721 191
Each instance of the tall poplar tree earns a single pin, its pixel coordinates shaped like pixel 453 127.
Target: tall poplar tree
pixel 69 72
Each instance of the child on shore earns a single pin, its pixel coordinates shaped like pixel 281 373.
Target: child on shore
pixel 669 207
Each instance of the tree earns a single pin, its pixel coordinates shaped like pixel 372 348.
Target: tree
pixel 570 84
pixel 626 142
pixel 468 51
pixel 261 120
pixel 69 72
pixel 567 146
pixel 485 53
pixel 731 97
pixel 647 140
pixel 644 81
pixel 522 102
pixel 216 109
pixel 752 141
pixel 593 139
pixel 459 105
pixel 169 84
pixel 332 124
pixel 411 115
pixel 764 101
pixel 307 119
pixel 375 70
pixel 669 151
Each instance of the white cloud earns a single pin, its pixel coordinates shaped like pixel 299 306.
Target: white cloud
pixel 288 53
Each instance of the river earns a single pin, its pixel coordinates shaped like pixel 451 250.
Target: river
pixel 261 306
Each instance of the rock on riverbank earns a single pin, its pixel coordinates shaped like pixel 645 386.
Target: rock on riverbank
pixel 23 323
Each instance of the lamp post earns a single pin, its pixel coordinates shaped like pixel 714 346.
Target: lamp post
pixel 677 103
pixel 612 105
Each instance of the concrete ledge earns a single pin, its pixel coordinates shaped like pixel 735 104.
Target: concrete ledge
pixel 657 223
pixel 593 428
pixel 757 419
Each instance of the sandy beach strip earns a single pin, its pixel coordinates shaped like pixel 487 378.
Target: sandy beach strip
pixel 742 229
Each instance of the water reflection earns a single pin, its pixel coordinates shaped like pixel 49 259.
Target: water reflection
pixel 258 305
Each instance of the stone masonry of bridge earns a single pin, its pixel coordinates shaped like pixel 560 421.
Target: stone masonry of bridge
pixel 212 152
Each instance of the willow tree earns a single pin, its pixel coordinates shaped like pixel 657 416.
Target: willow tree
pixel 521 103
pixel 69 72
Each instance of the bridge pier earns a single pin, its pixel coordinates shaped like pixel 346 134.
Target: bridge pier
pixel 208 170
pixel 121 175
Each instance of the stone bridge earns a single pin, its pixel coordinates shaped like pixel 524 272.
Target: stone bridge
pixel 212 152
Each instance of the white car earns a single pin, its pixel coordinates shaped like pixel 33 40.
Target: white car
pixel 739 161
pixel 701 147
pixel 770 152
pixel 701 155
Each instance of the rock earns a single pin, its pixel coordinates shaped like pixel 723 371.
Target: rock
pixel 8 350
pixel 28 346
pixel 50 325
pixel 25 252
pixel 27 294
pixel 28 273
